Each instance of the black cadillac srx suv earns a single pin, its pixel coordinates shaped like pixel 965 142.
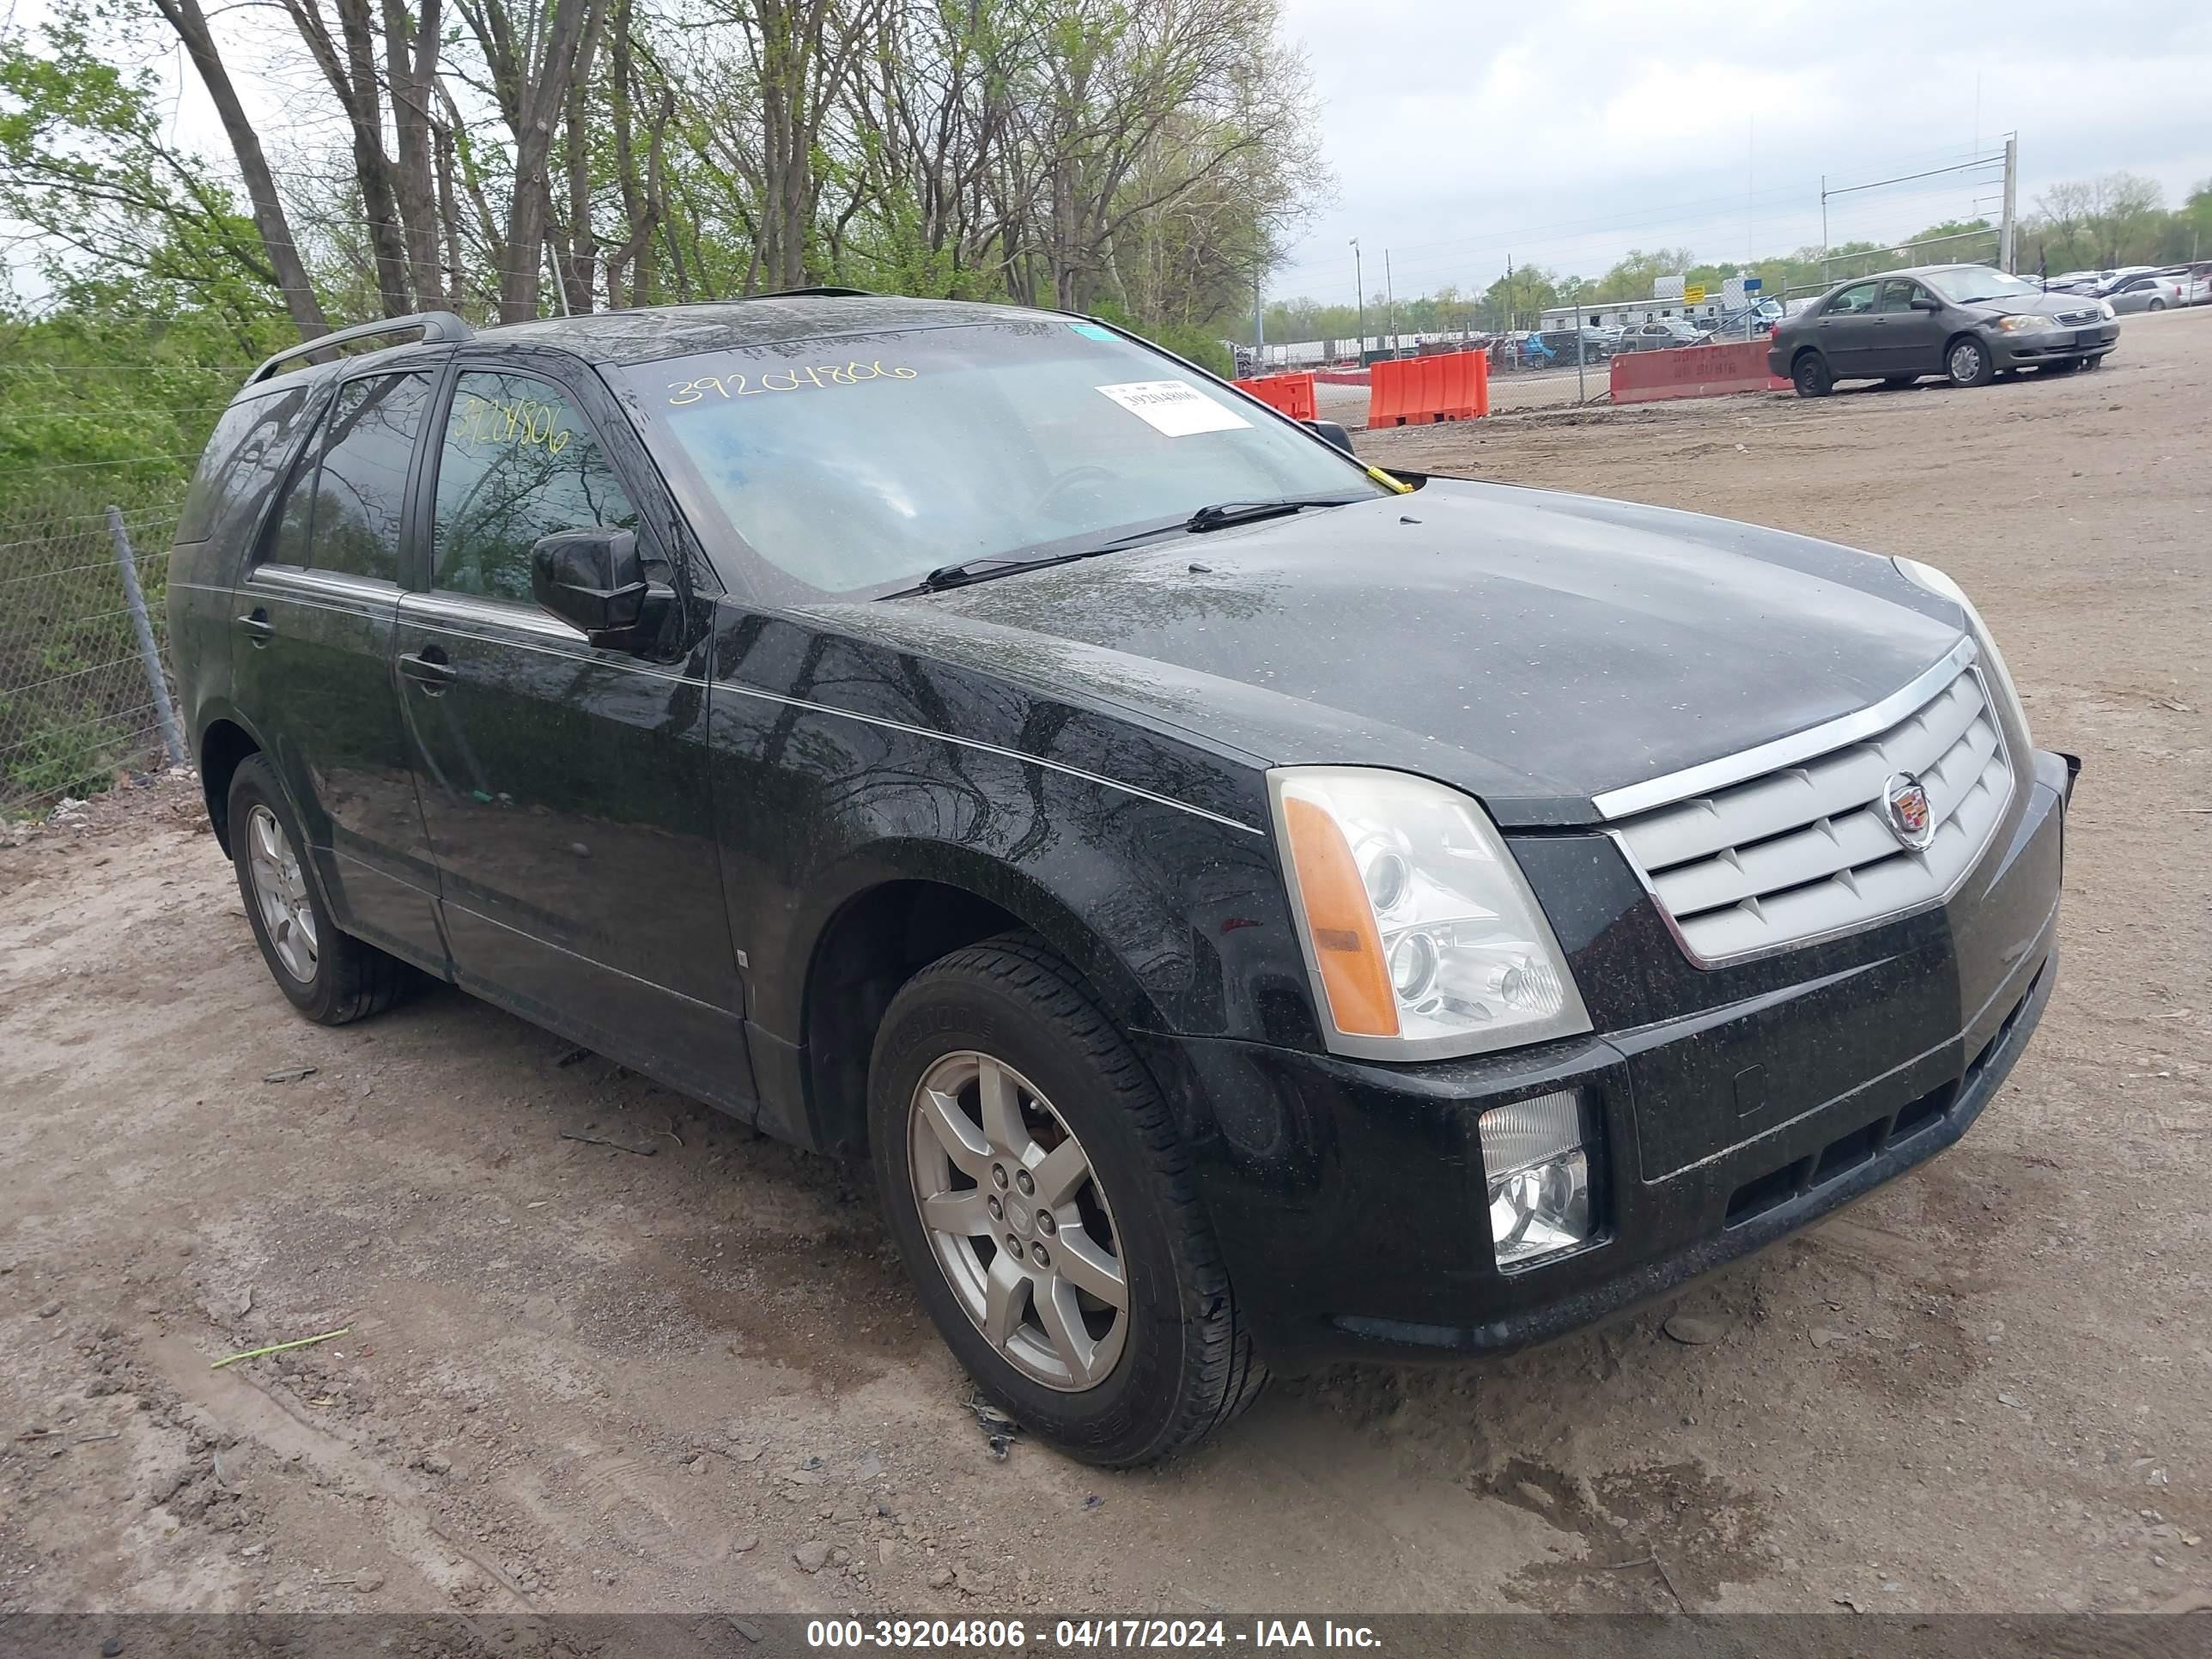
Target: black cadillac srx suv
pixel 1251 909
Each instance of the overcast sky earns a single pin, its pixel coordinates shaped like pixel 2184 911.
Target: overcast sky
pixel 1565 133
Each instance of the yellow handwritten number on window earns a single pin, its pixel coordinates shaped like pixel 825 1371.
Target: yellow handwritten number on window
pixel 819 378
pixel 524 421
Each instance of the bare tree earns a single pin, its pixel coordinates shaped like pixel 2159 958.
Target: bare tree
pixel 270 219
pixel 533 51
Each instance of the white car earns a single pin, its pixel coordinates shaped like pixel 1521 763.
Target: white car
pixel 2195 282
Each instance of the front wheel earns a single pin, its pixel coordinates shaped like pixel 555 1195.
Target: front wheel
pixel 1044 1200
pixel 331 977
pixel 1810 375
pixel 1969 363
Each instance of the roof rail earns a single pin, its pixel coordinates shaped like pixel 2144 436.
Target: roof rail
pixel 441 325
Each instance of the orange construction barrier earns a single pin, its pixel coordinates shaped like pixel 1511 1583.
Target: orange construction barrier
pixel 1707 371
pixel 1293 394
pixel 1416 390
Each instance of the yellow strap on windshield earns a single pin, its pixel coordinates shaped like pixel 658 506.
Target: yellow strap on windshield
pixel 1389 483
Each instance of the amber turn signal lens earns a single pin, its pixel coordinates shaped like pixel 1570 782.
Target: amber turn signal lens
pixel 1340 923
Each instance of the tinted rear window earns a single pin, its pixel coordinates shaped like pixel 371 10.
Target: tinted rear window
pixel 240 465
pixel 360 494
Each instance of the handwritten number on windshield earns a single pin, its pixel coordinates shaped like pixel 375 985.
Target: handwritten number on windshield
pixel 681 392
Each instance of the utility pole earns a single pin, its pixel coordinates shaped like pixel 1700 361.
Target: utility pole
pixel 1390 297
pixel 1360 283
pixel 1259 328
pixel 2007 234
pixel 1824 230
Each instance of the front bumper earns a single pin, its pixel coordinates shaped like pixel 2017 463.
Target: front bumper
pixel 2026 350
pixel 1349 1197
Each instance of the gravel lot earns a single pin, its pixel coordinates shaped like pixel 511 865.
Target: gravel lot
pixel 577 1377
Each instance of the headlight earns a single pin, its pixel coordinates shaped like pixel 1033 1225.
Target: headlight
pixel 2025 322
pixel 1419 929
pixel 1928 576
pixel 2106 306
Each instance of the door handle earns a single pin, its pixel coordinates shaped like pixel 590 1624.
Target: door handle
pixel 429 669
pixel 256 626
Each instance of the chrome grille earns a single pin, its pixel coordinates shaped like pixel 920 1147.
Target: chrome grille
pixel 1803 851
pixel 2074 318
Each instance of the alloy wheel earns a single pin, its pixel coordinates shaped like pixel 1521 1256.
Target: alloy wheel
pixel 1016 1217
pixel 280 888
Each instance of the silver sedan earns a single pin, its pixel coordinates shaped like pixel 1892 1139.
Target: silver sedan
pixel 2144 293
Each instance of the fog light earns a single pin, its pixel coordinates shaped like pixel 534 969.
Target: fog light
pixel 1535 1156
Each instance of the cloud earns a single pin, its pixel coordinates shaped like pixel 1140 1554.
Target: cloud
pixel 1565 134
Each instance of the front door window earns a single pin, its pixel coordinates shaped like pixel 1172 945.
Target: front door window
pixel 518 462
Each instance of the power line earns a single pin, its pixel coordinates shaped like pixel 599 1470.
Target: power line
pixel 1906 178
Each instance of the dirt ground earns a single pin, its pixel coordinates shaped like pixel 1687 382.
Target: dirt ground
pixel 576 1376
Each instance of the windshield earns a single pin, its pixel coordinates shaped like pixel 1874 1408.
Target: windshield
pixel 856 465
pixel 1967 285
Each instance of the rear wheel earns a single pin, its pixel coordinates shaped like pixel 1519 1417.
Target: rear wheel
pixel 1968 362
pixel 2155 305
pixel 330 976
pixel 1042 1198
pixel 1810 375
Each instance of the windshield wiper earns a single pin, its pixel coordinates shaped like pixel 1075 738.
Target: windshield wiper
pixel 983 571
pixel 1222 514
pixel 1219 516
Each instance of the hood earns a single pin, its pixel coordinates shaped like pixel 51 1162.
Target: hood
pixel 1531 649
pixel 2045 304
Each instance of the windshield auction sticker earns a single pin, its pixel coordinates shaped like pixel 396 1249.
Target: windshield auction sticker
pixel 1175 408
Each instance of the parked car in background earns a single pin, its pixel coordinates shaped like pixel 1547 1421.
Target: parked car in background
pixel 2076 281
pixel 812 703
pixel 1968 322
pixel 1598 345
pixel 1522 349
pixel 1663 334
pixel 1749 321
pixel 2143 291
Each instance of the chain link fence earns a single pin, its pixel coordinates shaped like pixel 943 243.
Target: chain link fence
pixel 83 629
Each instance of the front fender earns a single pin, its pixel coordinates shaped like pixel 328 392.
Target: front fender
pixel 1176 915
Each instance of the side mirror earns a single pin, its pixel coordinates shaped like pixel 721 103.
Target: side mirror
pixel 1332 432
pixel 593 578
pixel 1926 303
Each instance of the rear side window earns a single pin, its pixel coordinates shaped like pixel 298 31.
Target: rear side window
pixel 239 469
pixel 347 502
pixel 519 461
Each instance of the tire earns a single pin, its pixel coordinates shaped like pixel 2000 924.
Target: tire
pixel 2062 366
pixel 1169 1364
pixel 2097 361
pixel 1808 372
pixel 2155 305
pixel 1968 361
pixel 330 976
